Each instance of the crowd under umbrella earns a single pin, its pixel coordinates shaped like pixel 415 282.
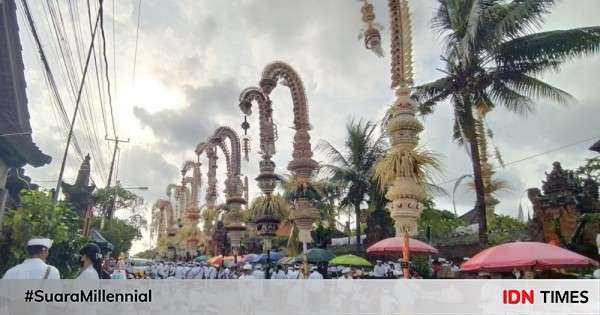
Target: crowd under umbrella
pixel 316 256
pixel 404 247
pixel 248 258
pixel 226 261
pixel 265 258
pixel 350 261
pixel 394 246
pixel 526 256
pixel 286 261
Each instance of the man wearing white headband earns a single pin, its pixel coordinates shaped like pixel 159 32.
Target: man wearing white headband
pixel 35 266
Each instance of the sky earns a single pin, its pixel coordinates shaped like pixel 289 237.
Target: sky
pixel 195 57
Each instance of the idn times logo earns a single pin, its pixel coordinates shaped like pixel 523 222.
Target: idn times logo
pixel 513 296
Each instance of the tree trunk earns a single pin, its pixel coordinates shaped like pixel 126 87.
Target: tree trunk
pixel 471 135
pixel 357 213
pixel 479 192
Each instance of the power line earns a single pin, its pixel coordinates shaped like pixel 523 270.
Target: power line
pixel 50 80
pixel 89 128
pixel 137 35
pixel 533 156
pixel 100 89
pixel 112 117
pixel 87 62
pixel 114 46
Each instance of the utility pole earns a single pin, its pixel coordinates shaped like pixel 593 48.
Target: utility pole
pixel 110 209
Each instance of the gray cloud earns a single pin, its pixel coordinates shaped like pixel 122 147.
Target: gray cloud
pixel 179 129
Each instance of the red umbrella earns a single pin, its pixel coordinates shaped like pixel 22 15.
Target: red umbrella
pixel 519 255
pixel 394 246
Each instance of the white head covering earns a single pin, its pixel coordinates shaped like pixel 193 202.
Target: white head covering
pixel 346 270
pixel 46 242
pixel 247 267
pixel 258 267
pixel 313 268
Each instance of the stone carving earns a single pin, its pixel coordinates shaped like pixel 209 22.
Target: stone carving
pixel 79 194
pixel 564 210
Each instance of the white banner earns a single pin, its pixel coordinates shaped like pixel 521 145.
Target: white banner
pixel 291 297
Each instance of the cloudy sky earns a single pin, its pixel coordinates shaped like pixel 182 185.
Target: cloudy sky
pixel 195 57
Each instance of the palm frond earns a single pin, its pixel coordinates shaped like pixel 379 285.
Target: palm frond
pixel 273 206
pixel 455 188
pixel 427 95
pixel 533 87
pixel 510 99
pixel 334 155
pixel 518 17
pixel 498 156
pixel 434 189
pixel 418 164
pixel 495 186
pixel 560 45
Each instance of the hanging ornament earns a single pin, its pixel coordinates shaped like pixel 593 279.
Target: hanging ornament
pixel 246 139
pixel 371 32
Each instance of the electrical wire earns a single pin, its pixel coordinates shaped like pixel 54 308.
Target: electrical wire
pixel 533 156
pixel 112 117
pixel 137 36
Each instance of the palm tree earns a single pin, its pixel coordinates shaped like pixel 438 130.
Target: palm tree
pixel 493 58
pixel 352 166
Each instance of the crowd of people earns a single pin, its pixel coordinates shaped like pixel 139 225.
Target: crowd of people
pixel 203 270
pixel 95 266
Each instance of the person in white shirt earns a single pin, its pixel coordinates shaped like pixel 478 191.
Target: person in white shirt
pixel 195 272
pixel 258 272
pixel 161 270
pixel 153 270
pixel 314 273
pixel 293 273
pixel 211 273
pixel 179 271
pixel 279 274
pixel 246 272
pixel 148 270
pixel 91 261
pixel 346 274
pixel 380 270
pixel 35 266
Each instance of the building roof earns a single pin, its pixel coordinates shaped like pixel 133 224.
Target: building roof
pixel 16 145
pixel 596 146
pixel 470 217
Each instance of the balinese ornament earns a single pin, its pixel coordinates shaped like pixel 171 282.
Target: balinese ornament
pixel 246 139
pixel 371 32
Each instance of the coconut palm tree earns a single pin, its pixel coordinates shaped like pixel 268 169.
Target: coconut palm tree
pixel 352 166
pixel 493 57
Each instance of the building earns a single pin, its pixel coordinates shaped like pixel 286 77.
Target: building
pixel 17 148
